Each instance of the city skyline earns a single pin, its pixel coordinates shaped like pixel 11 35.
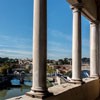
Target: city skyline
pixel 16 29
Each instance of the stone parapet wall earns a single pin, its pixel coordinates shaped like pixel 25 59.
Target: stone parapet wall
pixel 69 91
pixel 87 91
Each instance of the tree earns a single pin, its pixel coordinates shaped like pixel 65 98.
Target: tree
pixel 60 62
pixel 66 61
pixel 50 70
pixel 4 68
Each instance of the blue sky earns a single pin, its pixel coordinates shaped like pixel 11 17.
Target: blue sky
pixel 16 17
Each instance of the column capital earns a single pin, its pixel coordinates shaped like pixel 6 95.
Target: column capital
pixel 77 7
pixel 94 23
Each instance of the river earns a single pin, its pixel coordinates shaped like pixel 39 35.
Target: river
pixel 13 92
pixel 10 92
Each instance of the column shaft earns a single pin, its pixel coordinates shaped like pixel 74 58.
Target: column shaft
pixel 93 50
pixel 76 46
pixel 39 48
pixel 99 48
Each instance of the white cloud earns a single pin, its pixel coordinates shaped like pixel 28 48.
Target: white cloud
pixel 59 50
pixel 2 54
pixel 59 34
pixel 86 42
pixel 59 44
pixel 15 53
pixel 18 46
pixel 57 56
pixel 15 47
pixel 53 43
pixel 56 33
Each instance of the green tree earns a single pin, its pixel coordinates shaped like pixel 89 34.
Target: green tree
pixel 3 68
pixel 50 70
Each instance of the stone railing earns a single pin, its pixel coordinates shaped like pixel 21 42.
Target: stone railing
pixel 68 91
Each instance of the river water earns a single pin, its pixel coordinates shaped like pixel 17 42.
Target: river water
pixel 10 92
pixel 13 92
pixel 16 91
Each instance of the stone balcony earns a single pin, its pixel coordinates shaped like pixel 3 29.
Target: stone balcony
pixel 90 90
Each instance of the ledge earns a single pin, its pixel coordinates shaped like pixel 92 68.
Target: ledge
pixel 87 91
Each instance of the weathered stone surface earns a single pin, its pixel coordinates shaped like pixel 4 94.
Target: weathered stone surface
pixel 76 46
pixel 89 8
pixel 68 91
pixel 39 48
pixel 93 50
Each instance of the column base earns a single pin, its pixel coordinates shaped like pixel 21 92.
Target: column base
pixel 39 94
pixel 75 81
pixel 94 76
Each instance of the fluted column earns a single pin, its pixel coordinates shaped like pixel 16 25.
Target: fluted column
pixel 39 88
pixel 76 45
pixel 94 50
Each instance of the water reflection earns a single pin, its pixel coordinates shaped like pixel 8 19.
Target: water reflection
pixel 18 90
pixel 13 92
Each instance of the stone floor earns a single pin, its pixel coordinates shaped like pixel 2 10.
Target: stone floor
pixel 24 97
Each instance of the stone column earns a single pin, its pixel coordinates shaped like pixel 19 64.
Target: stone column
pixel 94 50
pixel 99 47
pixel 76 45
pixel 39 88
